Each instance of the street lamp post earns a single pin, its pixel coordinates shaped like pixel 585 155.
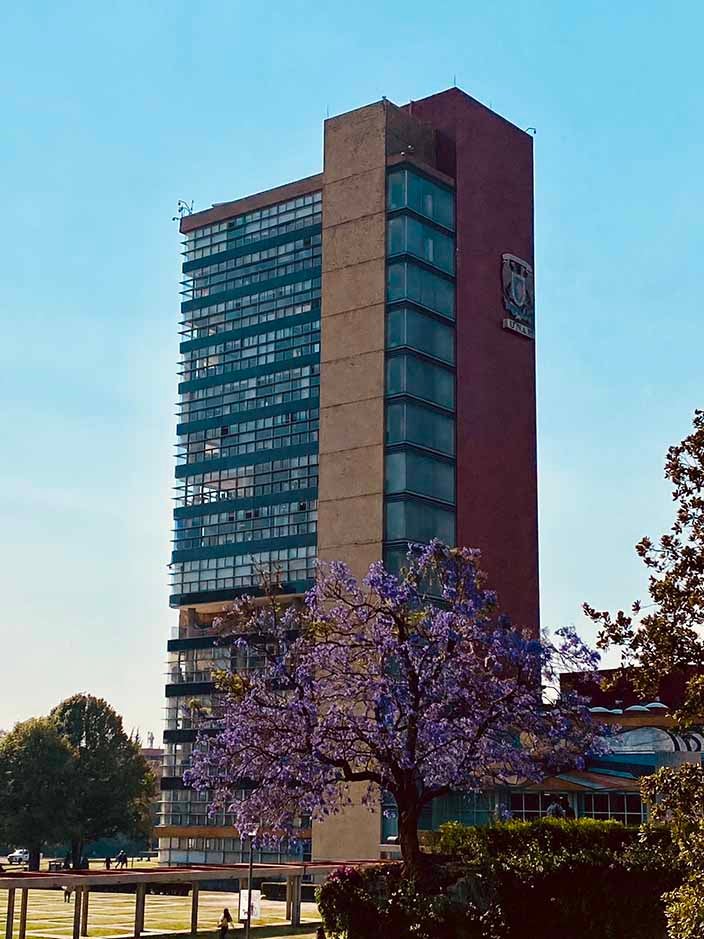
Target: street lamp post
pixel 250 874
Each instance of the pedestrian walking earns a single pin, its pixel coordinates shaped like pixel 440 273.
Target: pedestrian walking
pixel 67 894
pixel 567 808
pixel 224 923
pixel 555 810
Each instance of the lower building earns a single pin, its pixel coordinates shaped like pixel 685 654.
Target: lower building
pixel 645 738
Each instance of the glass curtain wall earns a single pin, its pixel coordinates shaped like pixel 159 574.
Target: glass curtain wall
pixel 247 450
pixel 419 471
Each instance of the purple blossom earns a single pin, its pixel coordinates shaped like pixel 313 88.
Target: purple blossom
pixel 384 686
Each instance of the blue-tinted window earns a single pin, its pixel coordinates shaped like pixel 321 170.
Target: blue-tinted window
pixel 408 327
pixel 406 189
pixel 409 471
pixel 408 422
pixel 408 235
pixel 408 281
pixel 408 374
pixel 411 520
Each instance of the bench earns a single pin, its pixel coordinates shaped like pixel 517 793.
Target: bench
pixel 55 866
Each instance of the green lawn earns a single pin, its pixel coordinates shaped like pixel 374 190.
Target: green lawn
pixel 112 914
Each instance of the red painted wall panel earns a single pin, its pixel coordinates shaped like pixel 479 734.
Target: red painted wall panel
pixel 497 507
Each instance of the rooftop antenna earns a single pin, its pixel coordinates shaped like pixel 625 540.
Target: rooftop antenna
pixel 182 208
pixel 454 80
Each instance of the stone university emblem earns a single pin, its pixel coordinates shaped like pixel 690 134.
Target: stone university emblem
pixel 518 295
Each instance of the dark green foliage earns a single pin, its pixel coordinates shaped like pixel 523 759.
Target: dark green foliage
pixel 551 879
pixel 112 785
pixel 536 846
pixel 675 796
pixel 664 636
pixel 378 901
pixel 36 770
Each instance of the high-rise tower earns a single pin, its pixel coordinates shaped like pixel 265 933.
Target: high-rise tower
pixel 358 372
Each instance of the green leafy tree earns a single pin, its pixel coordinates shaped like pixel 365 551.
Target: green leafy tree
pixel 113 784
pixel 675 796
pixel 37 768
pixel 664 635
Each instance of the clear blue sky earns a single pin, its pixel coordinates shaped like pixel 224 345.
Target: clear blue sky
pixel 112 112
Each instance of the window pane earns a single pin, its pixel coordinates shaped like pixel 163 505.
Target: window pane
pixel 396 327
pixel 601 804
pixel 396 375
pixel 408 520
pixel 395 472
pixel 618 804
pixel 395 559
pixel 397 189
pixel 396 281
pixel 407 280
pixel 407 422
pixel 408 327
pixel 407 374
pixel 408 234
pixel 396 235
pixel 420 473
pixel 429 199
pixel 396 423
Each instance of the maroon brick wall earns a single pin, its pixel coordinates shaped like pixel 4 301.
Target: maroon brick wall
pixel 616 690
pixel 492 162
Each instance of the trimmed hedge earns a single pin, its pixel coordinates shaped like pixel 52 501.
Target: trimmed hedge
pixel 550 879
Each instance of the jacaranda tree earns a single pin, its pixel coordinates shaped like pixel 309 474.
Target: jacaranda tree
pixel 410 684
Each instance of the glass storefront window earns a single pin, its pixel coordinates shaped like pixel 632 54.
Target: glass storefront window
pixel 621 807
pixel 408 327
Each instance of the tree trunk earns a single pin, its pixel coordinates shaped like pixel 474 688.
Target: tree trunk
pixel 76 853
pixel 408 839
pixel 34 856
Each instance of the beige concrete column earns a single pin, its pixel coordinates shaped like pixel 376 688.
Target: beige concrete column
pixel 84 911
pixel 24 901
pixel 140 900
pixel 351 489
pixel 10 913
pixel 289 894
pixel 352 339
pixel 295 900
pixel 77 900
pixel 194 908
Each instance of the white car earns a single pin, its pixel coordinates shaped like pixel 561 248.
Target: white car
pixel 19 856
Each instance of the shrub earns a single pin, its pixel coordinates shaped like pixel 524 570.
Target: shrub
pixel 541 845
pixel 543 880
pixel 360 903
